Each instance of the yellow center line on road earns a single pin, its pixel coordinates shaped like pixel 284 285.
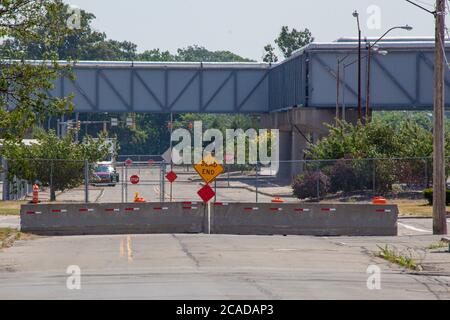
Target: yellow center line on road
pixel 122 249
pixel 129 249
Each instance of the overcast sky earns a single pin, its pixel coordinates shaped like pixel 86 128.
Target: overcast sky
pixel 245 26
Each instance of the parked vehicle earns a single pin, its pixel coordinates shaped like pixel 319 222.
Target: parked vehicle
pixel 105 173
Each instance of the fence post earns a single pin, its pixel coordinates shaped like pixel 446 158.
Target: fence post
pixel 163 182
pixel 215 190
pixel 86 181
pixel 51 180
pixel 160 182
pixel 374 174
pixel 6 189
pixel 257 183
pixel 318 185
pixel 126 183
pixel 123 181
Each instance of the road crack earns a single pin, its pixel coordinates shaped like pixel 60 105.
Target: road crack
pixel 186 251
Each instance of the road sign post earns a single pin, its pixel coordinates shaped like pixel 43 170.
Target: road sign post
pixel 208 169
pixel 171 176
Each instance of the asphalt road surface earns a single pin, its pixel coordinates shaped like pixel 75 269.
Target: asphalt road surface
pixel 236 187
pixel 216 267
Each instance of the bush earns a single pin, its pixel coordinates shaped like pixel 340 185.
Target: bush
pixel 428 194
pixel 305 185
pixel 349 176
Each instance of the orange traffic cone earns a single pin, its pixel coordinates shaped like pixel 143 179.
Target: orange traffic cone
pixel 278 200
pixel 379 200
pixel 35 194
pixel 138 199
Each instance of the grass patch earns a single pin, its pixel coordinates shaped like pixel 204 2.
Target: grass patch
pixel 439 245
pixel 8 236
pixel 394 256
pixel 5 233
pixel 10 208
pixel 417 208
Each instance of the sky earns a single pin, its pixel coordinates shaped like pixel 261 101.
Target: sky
pixel 246 26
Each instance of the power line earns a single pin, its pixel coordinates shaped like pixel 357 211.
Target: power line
pixel 421 7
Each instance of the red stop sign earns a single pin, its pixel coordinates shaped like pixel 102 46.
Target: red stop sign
pixel 134 179
pixel 129 162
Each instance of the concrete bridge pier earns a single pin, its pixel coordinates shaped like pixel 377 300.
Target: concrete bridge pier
pixel 299 127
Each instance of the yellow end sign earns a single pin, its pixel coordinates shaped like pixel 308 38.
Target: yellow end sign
pixel 209 169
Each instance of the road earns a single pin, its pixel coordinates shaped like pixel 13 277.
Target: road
pixel 238 188
pixel 220 267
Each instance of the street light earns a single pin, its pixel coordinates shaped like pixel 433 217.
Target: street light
pixel 356 15
pixel 374 47
pixel 338 83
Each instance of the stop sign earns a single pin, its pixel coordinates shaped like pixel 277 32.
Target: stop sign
pixel 129 162
pixel 134 179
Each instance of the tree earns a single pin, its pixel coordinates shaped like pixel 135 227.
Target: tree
pixel 82 43
pixel 290 41
pixel 24 87
pixel 156 55
pixel 200 54
pixel 57 163
pixel 269 55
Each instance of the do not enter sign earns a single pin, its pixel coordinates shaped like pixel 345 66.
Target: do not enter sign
pixel 134 179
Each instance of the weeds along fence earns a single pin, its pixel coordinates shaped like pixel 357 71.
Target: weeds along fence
pixel 305 180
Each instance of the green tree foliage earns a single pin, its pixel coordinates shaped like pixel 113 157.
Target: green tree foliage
pixel 156 55
pixel 384 141
pixel 376 139
pixel 54 162
pixel 289 41
pixel 82 43
pixel 24 98
pixel 269 54
pixel 200 54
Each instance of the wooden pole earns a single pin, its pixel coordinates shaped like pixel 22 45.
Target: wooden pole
pixel 439 183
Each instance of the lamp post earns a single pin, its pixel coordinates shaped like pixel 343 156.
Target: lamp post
pixel 356 15
pixel 373 47
pixel 338 87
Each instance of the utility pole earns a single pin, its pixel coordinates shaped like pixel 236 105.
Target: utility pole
pixel 338 82
pixel 356 15
pixel 439 183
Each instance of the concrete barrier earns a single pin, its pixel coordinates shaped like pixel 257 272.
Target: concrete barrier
pixel 225 218
pixel 82 219
pixel 304 219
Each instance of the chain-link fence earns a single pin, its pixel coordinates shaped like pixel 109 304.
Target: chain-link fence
pixel 145 178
